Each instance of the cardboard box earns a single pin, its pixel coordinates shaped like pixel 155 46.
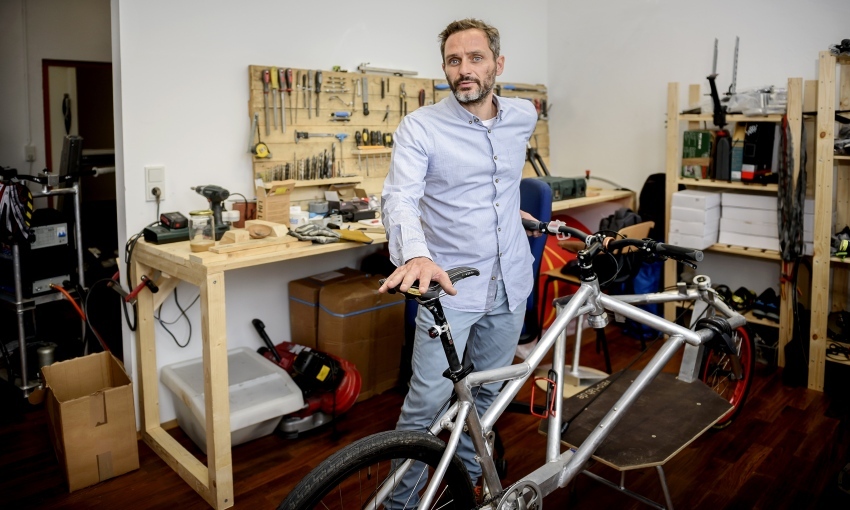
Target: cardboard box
pixel 694 199
pixel 689 241
pixel 260 393
pixel 304 304
pixel 273 200
pixel 749 228
pixel 365 327
pixel 710 215
pixel 750 215
pixel 694 228
pixel 766 202
pixel 92 418
pixel 749 241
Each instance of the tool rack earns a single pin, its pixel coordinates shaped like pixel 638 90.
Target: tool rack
pixel 830 170
pixel 366 165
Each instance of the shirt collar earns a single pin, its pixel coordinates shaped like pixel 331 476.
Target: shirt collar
pixel 465 115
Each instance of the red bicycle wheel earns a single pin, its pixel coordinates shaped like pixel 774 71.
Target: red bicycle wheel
pixel 717 374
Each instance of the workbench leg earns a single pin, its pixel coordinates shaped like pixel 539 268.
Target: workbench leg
pixel 216 391
pixel 146 355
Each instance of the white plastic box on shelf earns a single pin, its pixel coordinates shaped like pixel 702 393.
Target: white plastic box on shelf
pixel 749 220
pixel 694 219
pixel 260 394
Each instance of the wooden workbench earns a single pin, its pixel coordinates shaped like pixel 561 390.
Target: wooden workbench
pixel 176 263
pixel 597 196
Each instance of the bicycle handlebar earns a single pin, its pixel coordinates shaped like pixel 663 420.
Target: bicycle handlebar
pixel 679 253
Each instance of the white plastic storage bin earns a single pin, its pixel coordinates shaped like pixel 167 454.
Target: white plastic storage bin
pixel 260 394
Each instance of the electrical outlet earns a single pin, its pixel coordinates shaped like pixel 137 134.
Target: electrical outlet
pixel 154 179
pixel 29 152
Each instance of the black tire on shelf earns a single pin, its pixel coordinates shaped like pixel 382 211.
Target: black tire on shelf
pixel 716 372
pixel 337 477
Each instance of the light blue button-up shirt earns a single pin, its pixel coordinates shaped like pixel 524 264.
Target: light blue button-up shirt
pixel 452 194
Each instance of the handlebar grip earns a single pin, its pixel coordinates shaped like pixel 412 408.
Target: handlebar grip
pixel 678 252
pixel 534 226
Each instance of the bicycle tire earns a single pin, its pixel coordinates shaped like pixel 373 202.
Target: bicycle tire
pixel 333 477
pixel 716 372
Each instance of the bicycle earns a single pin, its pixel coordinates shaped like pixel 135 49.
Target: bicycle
pixel 367 471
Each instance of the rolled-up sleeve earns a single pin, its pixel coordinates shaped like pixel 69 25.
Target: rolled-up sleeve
pixel 403 188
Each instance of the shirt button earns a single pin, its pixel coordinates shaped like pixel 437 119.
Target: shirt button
pixel 500 254
pixel 489 131
pixel 470 122
pixel 492 277
pixel 476 120
pixel 495 157
pixel 497 180
pixel 497 204
pixel 500 229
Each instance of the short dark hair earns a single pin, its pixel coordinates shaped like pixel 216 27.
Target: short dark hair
pixel 492 34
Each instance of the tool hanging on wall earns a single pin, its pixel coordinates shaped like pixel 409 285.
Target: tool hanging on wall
pixel 318 89
pixel 258 149
pixel 275 85
pixel 340 116
pixel 297 88
pixel 365 81
pixel 421 98
pixel 402 101
pixel 303 135
pixel 364 68
pixel 722 147
pixel 266 79
pixel 287 79
pixel 309 89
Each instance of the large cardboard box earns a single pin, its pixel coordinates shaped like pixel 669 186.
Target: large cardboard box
pixel 304 303
pixel 92 418
pixel 359 324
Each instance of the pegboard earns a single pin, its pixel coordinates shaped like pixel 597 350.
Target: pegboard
pixel 341 97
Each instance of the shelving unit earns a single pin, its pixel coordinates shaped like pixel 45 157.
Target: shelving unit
pixel 830 170
pixel 673 167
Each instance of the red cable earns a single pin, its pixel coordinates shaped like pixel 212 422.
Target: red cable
pixel 80 312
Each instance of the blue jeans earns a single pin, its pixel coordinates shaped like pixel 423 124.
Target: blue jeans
pixel 491 338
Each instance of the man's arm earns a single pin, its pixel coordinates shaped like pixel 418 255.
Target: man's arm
pixel 403 188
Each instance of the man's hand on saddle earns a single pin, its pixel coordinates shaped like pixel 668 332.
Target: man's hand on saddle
pixel 422 269
pixel 525 216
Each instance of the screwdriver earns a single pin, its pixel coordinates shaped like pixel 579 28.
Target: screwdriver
pixel 297 87
pixel 309 95
pixel 421 97
pixel 275 86
pixel 287 79
pixel 304 91
pixel 318 89
pixel 266 79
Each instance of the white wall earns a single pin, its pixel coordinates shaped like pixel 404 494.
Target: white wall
pixel 183 103
pixel 30 31
pixel 609 64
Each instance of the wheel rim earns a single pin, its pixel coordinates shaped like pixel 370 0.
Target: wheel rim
pixel 719 375
pixel 357 488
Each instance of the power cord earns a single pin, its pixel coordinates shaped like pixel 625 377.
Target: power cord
pixel 183 311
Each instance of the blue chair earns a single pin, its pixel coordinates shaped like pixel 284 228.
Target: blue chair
pixel 536 200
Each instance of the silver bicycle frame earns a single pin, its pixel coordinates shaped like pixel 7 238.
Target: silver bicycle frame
pixel 560 468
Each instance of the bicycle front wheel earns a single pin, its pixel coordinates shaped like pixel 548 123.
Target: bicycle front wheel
pixel 350 478
pixel 717 374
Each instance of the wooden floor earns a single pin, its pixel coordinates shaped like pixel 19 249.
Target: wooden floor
pixel 783 452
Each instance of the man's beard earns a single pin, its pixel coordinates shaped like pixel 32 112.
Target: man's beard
pixel 473 96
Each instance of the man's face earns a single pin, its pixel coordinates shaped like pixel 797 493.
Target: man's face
pixel 470 67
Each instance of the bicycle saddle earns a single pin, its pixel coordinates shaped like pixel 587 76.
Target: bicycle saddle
pixel 434 289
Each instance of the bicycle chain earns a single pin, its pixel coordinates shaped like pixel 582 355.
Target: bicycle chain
pixel 491 499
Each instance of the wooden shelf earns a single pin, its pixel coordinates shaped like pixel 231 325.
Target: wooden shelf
pixel 371 152
pixel 838 260
pixel 711 183
pixel 745 252
pixel 328 182
pixel 594 196
pixel 841 157
pixel 707 117
pixel 763 322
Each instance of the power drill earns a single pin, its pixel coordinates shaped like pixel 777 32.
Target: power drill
pixel 215 195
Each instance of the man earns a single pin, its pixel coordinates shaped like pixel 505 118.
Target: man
pixel 451 199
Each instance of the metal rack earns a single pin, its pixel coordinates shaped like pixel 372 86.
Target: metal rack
pixel 21 304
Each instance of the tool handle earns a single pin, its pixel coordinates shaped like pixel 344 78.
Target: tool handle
pixel 421 97
pixel 275 78
pixel 341 115
pixel 509 87
pixel 261 329
pixel 442 86
pixel 266 80
pixel 318 81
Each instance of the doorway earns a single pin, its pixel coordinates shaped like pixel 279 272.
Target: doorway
pixel 78 101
